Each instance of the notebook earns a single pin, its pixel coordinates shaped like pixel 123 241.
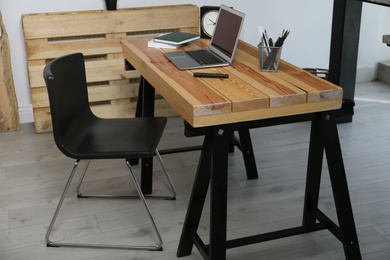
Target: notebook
pixel 176 38
pixel 222 45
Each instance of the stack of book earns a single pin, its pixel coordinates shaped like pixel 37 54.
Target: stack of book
pixel 172 40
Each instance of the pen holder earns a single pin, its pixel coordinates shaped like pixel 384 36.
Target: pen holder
pixel 269 57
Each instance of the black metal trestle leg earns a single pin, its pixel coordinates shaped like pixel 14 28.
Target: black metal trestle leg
pixel 139 113
pixel 145 108
pixel 196 203
pixel 218 193
pixel 247 152
pixel 313 179
pixel 324 137
pixel 340 189
pixel 213 167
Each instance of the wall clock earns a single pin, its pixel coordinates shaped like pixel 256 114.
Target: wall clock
pixel 208 20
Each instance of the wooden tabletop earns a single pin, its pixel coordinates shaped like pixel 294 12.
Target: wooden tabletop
pixel 248 93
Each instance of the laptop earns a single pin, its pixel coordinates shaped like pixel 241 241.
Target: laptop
pixel 222 45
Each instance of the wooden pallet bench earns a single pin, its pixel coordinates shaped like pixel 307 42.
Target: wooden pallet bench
pixel 98 34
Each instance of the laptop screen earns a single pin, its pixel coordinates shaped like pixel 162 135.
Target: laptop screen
pixel 226 31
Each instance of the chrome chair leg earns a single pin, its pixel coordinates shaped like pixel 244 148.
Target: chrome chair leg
pixel 47 238
pixel 173 190
pixel 171 185
pixel 50 243
pixel 141 195
pixel 79 194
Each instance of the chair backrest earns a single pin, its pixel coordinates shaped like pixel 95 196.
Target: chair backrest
pixel 68 96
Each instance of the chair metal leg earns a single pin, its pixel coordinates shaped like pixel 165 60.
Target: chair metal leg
pixel 173 190
pixel 49 243
pixel 172 187
pixel 138 187
pixel 79 194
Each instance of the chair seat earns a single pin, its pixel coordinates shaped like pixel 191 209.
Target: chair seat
pixel 98 138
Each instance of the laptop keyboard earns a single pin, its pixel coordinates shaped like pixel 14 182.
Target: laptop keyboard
pixel 204 57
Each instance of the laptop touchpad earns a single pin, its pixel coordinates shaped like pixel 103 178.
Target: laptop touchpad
pixel 182 60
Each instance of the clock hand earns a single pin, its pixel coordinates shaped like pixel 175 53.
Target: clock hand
pixel 212 21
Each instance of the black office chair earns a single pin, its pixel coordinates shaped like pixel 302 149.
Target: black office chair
pixel 79 134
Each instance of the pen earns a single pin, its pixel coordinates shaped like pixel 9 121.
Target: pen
pixel 210 75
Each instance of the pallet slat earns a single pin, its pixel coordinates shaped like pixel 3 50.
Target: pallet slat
pixel 98 35
pixel 96 94
pixel 42 119
pixel 96 71
pixel 37 50
pixel 102 22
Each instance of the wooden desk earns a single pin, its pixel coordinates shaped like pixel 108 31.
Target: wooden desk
pixel 251 98
pixel 248 94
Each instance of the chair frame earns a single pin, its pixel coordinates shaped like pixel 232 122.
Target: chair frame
pixel 158 247
pixel 172 187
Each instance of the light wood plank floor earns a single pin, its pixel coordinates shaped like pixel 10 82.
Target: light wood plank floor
pixel 33 173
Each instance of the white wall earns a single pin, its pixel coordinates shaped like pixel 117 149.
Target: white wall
pixel 307 46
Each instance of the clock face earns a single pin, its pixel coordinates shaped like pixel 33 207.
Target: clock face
pixel 209 21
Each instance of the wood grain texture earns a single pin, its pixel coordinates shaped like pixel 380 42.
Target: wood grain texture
pixel 9 114
pixel 97 22
pixel 316 89
pixel 185 93
pixel 248 93
pixel 98 35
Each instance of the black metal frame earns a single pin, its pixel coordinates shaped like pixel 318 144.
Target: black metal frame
pixel 212 170
pixel 344 47
pixel 145 108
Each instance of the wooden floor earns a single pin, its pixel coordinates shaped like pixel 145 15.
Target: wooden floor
pixel 33 173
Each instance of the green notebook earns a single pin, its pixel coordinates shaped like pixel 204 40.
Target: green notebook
pixel 176 38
